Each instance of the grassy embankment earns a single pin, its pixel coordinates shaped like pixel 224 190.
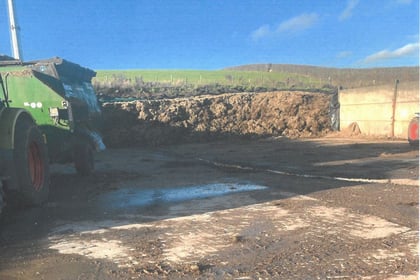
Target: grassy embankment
pixel 248 78
pixel 155 84
pixel 201 77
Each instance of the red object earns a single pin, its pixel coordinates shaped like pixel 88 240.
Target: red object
pixel 36 168
pixel 413 131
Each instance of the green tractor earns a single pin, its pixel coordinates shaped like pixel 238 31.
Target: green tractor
pixel 48 113
pixel 24 168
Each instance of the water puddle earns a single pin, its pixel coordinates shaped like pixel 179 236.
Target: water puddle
pixel 135 197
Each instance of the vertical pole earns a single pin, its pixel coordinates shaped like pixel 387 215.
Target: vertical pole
pixel 14 30
pixel 394 105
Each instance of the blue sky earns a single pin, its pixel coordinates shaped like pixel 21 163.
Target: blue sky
pixel 213 34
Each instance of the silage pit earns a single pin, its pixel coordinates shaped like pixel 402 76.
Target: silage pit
pixel 139 197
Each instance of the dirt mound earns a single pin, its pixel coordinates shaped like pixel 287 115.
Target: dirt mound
pixel 168 121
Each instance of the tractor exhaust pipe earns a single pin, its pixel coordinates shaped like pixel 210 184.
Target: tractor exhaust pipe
pixel 14 31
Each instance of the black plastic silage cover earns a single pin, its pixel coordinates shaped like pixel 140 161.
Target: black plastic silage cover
pixel 64 69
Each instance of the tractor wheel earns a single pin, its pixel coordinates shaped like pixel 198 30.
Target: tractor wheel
pixel 83 158
pixel 31 163
pixel 413 132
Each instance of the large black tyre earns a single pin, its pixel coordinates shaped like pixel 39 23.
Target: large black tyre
pixel 31 162
pixel 83 158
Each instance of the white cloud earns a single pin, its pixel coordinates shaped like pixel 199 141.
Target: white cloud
pixel 344 54
pixel 302 22
pixel 407 50
pixel 348 11
pixel 261 32
pixel 295 24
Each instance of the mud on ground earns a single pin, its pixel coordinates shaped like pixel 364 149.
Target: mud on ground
pixel 269 208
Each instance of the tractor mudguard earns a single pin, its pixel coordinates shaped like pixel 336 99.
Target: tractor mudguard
pixel 8 120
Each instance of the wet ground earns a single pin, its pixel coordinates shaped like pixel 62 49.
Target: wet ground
pixel 256 209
